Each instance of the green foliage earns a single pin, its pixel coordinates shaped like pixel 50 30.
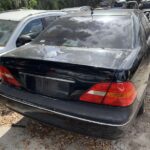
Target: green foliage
pixel 32 3
pixel 43 4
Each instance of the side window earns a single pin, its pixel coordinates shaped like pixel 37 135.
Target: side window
pixel 31 31
pixel 33 28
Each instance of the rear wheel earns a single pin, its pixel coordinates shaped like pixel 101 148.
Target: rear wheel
pixel 141 110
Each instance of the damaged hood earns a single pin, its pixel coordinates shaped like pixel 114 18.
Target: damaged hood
pixel 95 57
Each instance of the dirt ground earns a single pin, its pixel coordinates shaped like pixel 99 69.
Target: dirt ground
pixel 34 136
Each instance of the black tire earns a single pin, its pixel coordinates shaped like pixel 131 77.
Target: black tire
pixel 141 110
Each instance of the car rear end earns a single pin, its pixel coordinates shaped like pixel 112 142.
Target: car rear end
pixel 56 100
pixel 88 90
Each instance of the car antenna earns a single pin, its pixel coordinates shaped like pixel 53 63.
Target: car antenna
pixel 92 12
pixel 92 7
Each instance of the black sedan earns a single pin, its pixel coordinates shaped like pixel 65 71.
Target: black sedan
pixel 86 73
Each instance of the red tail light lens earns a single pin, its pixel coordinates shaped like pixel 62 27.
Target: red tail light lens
pixel 114 94
pixel 7 77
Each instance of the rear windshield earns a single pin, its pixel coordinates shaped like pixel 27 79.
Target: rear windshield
pixel 97 32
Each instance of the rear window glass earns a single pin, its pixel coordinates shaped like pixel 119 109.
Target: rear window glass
pixel 97 32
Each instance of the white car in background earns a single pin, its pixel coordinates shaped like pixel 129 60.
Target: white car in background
pixel 19 27
pixel 76 9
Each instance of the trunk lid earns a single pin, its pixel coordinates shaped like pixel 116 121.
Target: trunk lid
pixel 64 73
pixel 94 57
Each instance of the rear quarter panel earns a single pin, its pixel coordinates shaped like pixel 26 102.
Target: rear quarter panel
pixel 140 79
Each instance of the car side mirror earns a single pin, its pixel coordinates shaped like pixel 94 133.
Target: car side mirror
pixel 148 42
pixel 23 39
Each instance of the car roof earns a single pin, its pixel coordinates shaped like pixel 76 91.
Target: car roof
pixel 76 8
pixel 110 12
pixel 18 15
pixel 116 12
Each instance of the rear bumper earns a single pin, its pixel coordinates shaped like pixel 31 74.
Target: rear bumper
pixel 91 119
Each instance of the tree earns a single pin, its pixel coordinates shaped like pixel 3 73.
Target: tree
pixel 44 4
pixel 32 3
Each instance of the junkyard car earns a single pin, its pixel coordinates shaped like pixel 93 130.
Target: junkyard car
pixel 21 26
pixel 76 9
pixel 84 73
pixel 144 4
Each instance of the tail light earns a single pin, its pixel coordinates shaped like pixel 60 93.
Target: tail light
pixel 114 94
pixel 7 77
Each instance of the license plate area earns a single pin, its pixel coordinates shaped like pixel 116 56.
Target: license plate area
pixel 48 86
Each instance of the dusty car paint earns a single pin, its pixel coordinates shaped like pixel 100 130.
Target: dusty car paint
pixel 94 57
pixel 65 79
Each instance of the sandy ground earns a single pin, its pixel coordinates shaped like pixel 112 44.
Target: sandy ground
pixel 34 136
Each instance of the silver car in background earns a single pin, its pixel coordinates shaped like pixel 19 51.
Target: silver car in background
pixel 19 27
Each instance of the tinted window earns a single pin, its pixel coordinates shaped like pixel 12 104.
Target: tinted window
pixel 97 32
pixel 33 28
pixel 6 29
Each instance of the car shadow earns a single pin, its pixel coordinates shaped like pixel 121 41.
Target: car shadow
pixel 29 134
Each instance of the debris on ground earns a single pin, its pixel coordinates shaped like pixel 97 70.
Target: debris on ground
pixel 8 117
